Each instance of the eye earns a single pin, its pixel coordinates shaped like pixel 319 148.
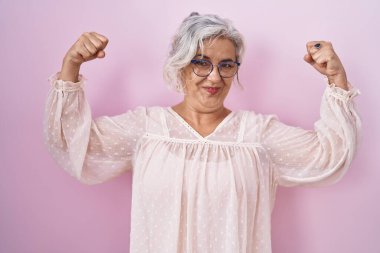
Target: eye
pixel 227 65
pixel 201 63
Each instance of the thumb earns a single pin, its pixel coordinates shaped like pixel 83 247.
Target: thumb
pixel 319 67
pixel 308 58
pixel 101 54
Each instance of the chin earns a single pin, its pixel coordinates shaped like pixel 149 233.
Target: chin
pixel 212 103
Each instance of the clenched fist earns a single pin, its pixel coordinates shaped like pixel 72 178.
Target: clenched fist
pixel 321 55
pixel 89 46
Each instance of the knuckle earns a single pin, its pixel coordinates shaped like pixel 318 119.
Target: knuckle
pixel 98 45
pixel 104 39
pixel 104 43
pixel 319 61
pixel 83 37
pixel 91 51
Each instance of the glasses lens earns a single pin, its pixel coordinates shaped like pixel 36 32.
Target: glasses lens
pixel 201 67
pixel 228 69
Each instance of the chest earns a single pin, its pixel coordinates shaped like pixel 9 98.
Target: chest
pixel 164 166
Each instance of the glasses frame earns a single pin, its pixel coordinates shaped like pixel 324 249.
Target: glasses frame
pixel 193 61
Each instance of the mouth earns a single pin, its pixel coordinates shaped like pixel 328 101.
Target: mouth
pixel 212 90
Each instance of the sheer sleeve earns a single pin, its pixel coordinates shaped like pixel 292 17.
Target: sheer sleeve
pixel 93 151
pixel 315 157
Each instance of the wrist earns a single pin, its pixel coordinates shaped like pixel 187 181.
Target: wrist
pixel 70 62
pixel 69 71
pixel 340 80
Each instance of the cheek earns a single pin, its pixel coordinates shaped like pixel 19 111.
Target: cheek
pixel 192 81
pixel 228 83
pixel 227 86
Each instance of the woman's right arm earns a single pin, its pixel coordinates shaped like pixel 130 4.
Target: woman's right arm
pixel 93 151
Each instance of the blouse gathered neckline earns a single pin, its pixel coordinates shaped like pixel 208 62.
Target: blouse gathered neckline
pixel 195 132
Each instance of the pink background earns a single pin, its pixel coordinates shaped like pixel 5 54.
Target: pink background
pixel 43 209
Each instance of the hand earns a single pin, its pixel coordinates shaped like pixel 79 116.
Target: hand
pixel 327 62
pixel 88 47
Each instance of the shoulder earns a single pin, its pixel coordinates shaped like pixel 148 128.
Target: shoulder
pixel 256 123
pixel 153 114
pixel 147 110
pixel 143 113
pixel 151 110
pixel 255 118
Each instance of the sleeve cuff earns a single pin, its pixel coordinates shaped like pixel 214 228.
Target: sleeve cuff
pixel 68 86
pixel 340 93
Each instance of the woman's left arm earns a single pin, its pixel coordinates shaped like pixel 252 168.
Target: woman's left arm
pixel 320 156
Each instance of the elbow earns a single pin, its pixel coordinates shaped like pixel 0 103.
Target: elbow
pixel 336 167
pixel 87 178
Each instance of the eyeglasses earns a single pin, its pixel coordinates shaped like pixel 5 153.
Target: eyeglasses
pixel 203 68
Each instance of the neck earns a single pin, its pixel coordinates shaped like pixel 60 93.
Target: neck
pixel 201 116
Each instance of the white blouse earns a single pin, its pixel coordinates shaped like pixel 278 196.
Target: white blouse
pixel 199 194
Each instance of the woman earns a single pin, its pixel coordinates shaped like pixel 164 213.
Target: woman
pixel 204 177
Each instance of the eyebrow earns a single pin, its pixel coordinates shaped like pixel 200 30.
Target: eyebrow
pixel 206 57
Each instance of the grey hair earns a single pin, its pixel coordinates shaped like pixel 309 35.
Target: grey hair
pixel 190 37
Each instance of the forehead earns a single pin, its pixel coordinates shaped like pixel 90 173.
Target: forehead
pixel 218 49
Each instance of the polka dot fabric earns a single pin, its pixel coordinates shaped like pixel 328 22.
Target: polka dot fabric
pixel 193 193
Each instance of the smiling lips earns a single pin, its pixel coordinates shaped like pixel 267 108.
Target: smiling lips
pixel 212 90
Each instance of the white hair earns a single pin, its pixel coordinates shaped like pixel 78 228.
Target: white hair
pixel 190 37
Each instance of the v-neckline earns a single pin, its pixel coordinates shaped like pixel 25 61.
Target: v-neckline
pixel 195 132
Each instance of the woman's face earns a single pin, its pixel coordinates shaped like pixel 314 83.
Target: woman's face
pixel 208 93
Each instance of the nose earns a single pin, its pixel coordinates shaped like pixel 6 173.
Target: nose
pixel 214 76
